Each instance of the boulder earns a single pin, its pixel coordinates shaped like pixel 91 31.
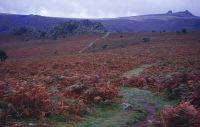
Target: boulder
pixel 127 106
pixel 77 88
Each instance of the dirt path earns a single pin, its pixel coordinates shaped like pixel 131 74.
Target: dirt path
pixel 106 35
pixel 1 77
pixel 2 73
pixel 93 42
pixel 151 112
pixel 150 108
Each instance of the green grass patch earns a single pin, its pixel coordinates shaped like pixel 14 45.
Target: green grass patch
pixel 114 115
pixel 111 117
pixel 58 119
pixel 136 71
pixel 158 101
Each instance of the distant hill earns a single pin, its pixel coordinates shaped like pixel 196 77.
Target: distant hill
pixel 35 26
pixel 156 22
pixel 10 21
pixel 145 23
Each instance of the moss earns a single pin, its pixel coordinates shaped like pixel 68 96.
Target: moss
pixel 158 101
pixel 59 118
pixel 114 115
pixel 136 71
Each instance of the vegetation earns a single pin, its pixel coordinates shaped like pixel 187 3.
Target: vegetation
pixel 3 55
pixel 105 46
pixel 178 32
pixel 62 29
pixel 146 39
pixel 114 115
pixel 20 31
pixel 43 34
pixel 89 89
pixel 184 31
pixel 76 27
pixel 184 115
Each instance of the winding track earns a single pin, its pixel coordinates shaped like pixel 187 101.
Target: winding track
pixel 93 42
pixel 150 108
pixel 151 113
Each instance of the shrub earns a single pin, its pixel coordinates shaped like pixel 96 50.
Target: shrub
pixel 103 93
pixel 182 86
pixel 55 37
pixel 178 32
pixel 195 96
pixel 184 31
pixel 146 39
pixel 135 82
pixel 20 31
pixel 183 115
pixel 28 101
pixel 42 34
pixel 93 46
pixel 105 46
pixel 3 55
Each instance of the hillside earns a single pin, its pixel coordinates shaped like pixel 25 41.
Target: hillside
pixel 34 26
pixel 145 23
pixel 49 83
pixel 157 22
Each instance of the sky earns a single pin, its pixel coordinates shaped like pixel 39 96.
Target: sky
pixel 97 8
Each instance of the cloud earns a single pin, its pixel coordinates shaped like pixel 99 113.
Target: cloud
pixel 97 8
pixel 43 12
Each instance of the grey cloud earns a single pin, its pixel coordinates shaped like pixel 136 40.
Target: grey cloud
pixel 96 8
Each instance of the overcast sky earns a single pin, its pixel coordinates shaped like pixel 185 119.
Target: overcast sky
pixel 97 8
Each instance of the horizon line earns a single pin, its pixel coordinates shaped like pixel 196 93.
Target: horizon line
pixel 7 13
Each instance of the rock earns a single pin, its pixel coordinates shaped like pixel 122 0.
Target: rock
pixel 48 80
pixel 60 78
pixel 9 109
pixel 92 92
pixel 77 88
pixel 89 110
pixel 150 122
pixel 170 12
pixel 97 98
pixel 54 89
pixel 12 110
pixel 107 102
pixel 127 106
pixel 38 125
pixel 31 124
pixel 142 101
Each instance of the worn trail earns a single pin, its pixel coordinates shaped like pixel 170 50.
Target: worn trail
pixel 150 108
pixel 151 112
pixel 93 42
